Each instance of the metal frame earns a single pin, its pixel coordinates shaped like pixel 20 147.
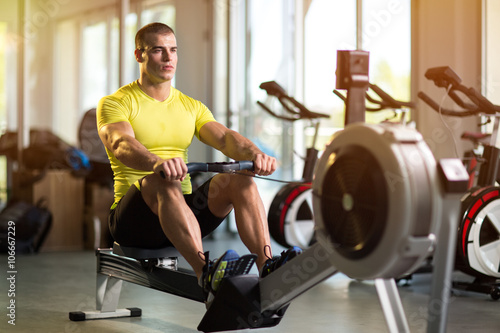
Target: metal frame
pixel 113 269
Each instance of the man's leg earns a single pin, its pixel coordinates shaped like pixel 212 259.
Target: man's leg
pixel 178 222
pixel 240 192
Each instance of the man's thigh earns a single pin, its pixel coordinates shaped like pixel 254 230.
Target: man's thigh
pixel 132 223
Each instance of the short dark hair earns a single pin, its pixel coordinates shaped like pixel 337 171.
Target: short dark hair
pixel 156 28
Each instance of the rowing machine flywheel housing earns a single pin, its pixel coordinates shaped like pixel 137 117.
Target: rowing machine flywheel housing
pixel 377 200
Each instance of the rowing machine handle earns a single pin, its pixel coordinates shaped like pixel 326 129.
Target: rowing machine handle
pixel 219 167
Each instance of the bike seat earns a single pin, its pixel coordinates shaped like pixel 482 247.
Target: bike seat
pixel 141 253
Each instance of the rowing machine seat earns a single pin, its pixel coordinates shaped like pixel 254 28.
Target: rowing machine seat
pixel 140 253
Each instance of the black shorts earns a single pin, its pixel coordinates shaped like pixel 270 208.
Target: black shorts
pixel 132 223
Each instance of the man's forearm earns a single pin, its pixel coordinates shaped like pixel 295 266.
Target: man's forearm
pixel 238 147
pixel 133 154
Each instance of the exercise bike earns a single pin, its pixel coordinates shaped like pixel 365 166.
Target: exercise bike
pixel 290 215
pixel 478 242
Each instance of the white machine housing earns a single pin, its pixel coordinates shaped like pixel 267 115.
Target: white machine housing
pixel 377 203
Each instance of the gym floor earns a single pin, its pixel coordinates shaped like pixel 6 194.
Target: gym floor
pixel 50 285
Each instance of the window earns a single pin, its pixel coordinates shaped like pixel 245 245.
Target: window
pixel 3 75
pixel 97 77
pixel 308 72
pixel 160 12
pixel 270 58
pixel 330 26
pixel 3 109
pixel 261 49
pixel 386 34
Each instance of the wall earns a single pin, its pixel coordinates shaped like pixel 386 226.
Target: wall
pixel 445 33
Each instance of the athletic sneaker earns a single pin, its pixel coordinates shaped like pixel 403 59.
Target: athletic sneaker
pixel 213 273
pixel 274 263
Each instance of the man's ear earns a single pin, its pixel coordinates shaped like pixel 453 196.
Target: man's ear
pixel 138 55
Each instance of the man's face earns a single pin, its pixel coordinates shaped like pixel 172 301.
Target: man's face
pixel 159 57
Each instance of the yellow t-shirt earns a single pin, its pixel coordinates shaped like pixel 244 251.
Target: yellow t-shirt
pixel 165 128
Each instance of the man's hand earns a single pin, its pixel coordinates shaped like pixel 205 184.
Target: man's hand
pixel 172 169
pixel 234 145
pixel 264 165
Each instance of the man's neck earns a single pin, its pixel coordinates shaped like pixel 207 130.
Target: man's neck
pixel 158 91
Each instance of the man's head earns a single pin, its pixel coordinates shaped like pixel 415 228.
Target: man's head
pixel 152 28
pixel 156 52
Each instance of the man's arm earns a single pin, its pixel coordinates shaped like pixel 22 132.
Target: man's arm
pixel 119 138
pixel 237 147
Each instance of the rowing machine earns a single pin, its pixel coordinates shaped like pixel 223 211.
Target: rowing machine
pixel 236 302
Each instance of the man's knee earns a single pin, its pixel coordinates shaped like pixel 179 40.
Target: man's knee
pixel 245 182
pixel 154 188
pixel 234 183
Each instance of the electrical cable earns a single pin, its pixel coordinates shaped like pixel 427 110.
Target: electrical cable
pixel 275 180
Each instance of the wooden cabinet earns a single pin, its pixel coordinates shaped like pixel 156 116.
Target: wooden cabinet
pixel 64 197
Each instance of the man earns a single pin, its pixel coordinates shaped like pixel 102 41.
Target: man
pixel 146 127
